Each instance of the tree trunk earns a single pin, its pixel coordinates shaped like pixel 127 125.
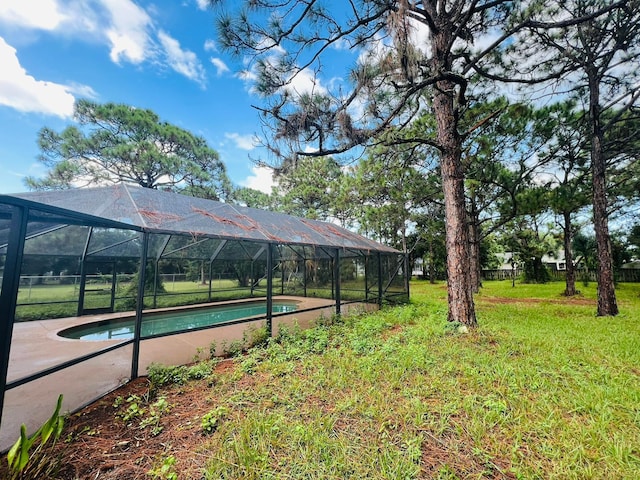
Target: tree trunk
pixel 203 278
pixel 432 266
pixel 445 108
pixel 460 294
pixel 607 304
pixel 474 248
pixel 570 281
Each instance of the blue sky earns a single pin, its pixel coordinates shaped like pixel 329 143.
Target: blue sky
pixel 159 55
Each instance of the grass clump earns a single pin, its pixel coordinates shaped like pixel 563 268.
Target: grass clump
pixel 163 375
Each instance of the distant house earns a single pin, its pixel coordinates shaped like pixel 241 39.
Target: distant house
pixel 632 265
pixel 556 263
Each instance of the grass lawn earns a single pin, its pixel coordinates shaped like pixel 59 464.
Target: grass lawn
pixel 56 301
pixel 542 389
pixel 57 293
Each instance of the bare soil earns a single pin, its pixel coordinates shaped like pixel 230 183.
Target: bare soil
pixel 577 300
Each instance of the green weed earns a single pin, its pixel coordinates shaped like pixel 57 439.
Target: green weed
pixel 156 410
pixel 211 419
pixel 166 471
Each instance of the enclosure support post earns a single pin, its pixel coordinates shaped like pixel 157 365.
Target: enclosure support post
pixel 9 293
pixel 210 277
pixel 406 274
pixel 155 273
pixel 282 268
pixel 139 306
pixel 83 272
pixel 304 272
pixel 336 274
pixel 333 279
pixel 380 287
pixel 366 278
pixel 211 260
pixel 269 289
pixel 155 283
pixel 114 279
pixel 252 279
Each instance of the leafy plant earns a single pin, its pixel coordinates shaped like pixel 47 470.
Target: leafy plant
pixel 255 337
pixel 160 375
pixel 25 463
pixel 156 410
pixel 200 370
pixel 196 357
pixel 134 410
pixel 212 349
pixel 455 327
pixel 166 471
pixel 233 349
pixel 211 420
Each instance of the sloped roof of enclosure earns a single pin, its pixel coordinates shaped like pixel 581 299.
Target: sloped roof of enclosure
pixel 166 212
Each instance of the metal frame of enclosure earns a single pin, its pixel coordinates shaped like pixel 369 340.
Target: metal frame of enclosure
pixel 111 245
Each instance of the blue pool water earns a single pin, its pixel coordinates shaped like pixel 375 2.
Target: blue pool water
pixel 122 329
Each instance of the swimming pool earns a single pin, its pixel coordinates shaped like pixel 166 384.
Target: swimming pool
pixel 175 321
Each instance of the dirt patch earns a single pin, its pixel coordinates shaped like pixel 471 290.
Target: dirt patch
pixel 393 331
pixel 97 443
pixel 533 301
pixel 442 460
pixel 101 445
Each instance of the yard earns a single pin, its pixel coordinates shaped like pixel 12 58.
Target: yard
pixel 542 389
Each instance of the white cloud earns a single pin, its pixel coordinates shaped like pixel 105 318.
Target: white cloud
pixel 221 67
pixel 305 82
pixel 247 76
pixel 210 46
pixel 487 40
pixel 128 32
pixel 182 61
pixel 298 82
pixel 268 44
pixel 23 92
pixel 202 4
pixel 244 142
pixel 122 24
pixel 82 91
pixel 260 179
pixel 45 16
pixel 375 50
pixel 127 28
pixel 341 44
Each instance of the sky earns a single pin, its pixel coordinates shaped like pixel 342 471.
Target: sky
pixel 160 55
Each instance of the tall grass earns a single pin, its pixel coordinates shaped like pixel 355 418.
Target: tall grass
pixel 542 389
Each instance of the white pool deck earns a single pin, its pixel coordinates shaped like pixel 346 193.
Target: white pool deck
pixel 36 346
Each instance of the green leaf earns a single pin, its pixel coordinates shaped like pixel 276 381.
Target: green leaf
pixel 11 455
pixel 25 446
pixel 51 425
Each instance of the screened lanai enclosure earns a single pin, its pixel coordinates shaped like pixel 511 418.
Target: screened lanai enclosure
pixel 100 283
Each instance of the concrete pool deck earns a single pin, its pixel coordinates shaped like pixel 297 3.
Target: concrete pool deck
pixel 36 346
